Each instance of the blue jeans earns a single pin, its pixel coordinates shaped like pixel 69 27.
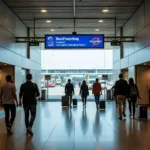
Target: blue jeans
pixel 97 96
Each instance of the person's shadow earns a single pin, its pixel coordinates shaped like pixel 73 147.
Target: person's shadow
pixel 84 122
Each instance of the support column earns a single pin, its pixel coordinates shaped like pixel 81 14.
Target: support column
pixel 121 47
pixel 28 46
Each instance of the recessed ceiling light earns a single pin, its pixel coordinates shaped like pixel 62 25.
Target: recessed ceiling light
pixel 52 30
pixel 48 21
pixel 100 20
pixel 96 30
pixel 105 10
pixel 43 10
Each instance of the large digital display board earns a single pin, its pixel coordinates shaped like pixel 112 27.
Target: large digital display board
pixel 73 41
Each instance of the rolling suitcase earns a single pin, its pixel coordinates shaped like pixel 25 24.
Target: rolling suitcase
pixel 75 102
pixel 142 111
pixel 102 105
pixel 65 101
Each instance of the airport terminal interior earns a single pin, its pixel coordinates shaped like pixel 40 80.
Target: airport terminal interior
pixel 57 40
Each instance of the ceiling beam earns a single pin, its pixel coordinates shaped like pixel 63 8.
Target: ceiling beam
pixel 73 18
pixel 74 8
pixel 71 27
pixel 33 6
pixel 106 39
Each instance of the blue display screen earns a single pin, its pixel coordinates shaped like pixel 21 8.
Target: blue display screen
pixel 74 41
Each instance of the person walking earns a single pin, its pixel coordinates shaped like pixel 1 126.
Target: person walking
pixel 28 93
pixel 8 98
pixel 84 92
pixel 69 91
pixel 97 91
pixel 133 95
pixel 121 87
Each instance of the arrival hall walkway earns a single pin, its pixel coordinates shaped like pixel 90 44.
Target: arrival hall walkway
pixel 79 129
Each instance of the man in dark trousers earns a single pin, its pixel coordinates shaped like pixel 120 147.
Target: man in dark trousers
pixel 121 87
pixel 28 93
pixel 69 90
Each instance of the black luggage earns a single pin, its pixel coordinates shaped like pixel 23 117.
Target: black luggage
pixel 102 105
pixel 65 101
pixel 75 102
pixel 142 110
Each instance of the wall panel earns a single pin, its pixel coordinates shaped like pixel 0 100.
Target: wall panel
pixel 16 53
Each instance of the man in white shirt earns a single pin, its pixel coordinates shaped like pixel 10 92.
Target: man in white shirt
pixel 8 98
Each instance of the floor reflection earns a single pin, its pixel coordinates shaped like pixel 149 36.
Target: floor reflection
pixel 96 126
pixel 84 122
pixel 58 128
pixel 68 119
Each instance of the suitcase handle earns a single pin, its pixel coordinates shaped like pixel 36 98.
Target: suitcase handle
pixel 139 100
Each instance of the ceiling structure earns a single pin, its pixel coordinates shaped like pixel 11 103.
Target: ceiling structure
pixel 66 16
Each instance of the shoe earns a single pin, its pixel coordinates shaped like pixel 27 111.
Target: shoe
pixel 124 114
pixel 120 118
pixel 9 131
pixel 130 115
pixel 29 131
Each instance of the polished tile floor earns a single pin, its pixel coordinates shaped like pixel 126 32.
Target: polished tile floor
pixel 77 129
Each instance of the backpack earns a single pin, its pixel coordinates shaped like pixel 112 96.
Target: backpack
pixel 133 91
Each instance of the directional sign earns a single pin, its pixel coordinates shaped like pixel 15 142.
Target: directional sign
pixel 74 41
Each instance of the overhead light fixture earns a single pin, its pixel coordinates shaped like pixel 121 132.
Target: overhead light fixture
pixel 105 10
pixel 43 10
pixel 100 20
pixel 52 30
pixel 96 30
pixel 48 21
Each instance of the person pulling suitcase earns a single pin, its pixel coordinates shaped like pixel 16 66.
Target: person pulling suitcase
pixel 69 91
pixel 97 91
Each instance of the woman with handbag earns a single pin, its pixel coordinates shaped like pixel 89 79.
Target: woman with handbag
pixel 84 92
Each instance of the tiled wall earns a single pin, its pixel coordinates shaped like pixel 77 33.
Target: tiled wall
pixel 15 53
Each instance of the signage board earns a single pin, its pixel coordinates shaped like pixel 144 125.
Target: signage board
pixel 74 41
pixel 33 43
pixel 47 77
pixel 105 77
pixel 115 43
